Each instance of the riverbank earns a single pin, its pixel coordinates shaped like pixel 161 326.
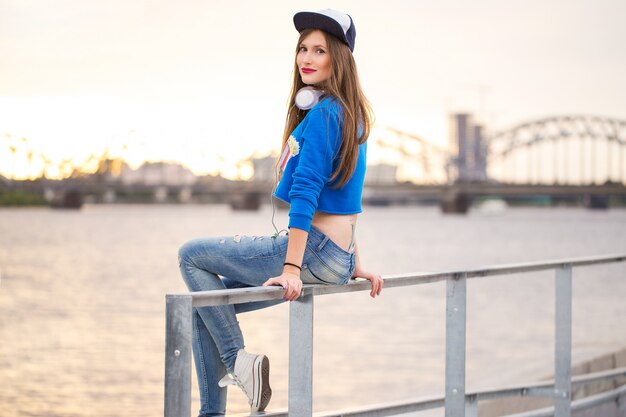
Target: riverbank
pixel 22 198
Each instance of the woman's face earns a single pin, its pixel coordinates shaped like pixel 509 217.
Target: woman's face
pixel 313 59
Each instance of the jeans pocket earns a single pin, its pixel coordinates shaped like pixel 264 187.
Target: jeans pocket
pixel 320 268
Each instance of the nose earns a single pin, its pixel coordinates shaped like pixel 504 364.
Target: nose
pixel 307 57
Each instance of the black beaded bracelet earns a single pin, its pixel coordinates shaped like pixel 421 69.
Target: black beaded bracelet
pixel 289 263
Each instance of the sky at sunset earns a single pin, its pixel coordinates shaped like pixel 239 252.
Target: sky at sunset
pixel 206 82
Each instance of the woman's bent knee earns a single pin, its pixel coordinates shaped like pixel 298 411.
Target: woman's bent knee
pixel 191 250
pixel 185 253
pixel 195 266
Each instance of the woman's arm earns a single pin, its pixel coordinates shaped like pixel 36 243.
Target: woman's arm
pixel 318 141
pixel 290 278
pixel 376 280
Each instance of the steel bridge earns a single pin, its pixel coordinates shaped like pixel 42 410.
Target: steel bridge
pixel 562 150
pixel 572 150
pixel 575 158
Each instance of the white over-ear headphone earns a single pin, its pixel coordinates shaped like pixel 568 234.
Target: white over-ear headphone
pixel 307 97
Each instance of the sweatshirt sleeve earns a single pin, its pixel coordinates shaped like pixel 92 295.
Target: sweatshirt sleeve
pixel 320 144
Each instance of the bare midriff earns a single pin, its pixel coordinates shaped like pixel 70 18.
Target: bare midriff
pixel 338 227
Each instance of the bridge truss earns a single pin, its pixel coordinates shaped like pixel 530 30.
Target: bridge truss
pixel 567 150
pixel 418 157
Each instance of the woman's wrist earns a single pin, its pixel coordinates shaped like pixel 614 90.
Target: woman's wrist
pixel 293 269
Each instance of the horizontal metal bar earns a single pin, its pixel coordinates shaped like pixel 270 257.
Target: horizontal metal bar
pixel 578 405
pixel 384 409
pixel 597 399
pixel 388 409
pixel 535 389
pixel 278 413
pixel 543 265
pixel 244 295
pixel 236 296
pixel 546 388
pixel 580 380
pixel 543 412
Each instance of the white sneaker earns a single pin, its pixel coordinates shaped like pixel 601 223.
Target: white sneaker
pixel 252 375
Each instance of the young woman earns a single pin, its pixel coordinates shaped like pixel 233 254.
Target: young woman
pixel 323 168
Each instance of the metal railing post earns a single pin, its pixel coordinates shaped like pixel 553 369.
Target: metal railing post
pixel 178 355
pixel 471 405
pixel 300 403
pixel 563 341
pixel 455 345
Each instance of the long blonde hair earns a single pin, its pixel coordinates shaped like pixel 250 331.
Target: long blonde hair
pixel 344 86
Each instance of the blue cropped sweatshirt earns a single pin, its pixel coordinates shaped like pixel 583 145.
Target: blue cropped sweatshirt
pixel 305 183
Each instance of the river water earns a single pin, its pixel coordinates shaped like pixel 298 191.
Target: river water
pixel 82 304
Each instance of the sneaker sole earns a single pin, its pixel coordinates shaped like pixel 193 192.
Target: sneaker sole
pixel 263 392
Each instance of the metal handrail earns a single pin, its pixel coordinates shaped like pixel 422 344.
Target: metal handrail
pixel 457 403
pixel 421 404
pixel 244 295
pixel 618 394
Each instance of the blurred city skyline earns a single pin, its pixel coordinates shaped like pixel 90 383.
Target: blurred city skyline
pixel 206 84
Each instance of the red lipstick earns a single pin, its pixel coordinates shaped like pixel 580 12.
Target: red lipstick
pixel 307 70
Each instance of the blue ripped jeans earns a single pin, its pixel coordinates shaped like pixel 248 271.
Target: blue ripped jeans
pixel 218 263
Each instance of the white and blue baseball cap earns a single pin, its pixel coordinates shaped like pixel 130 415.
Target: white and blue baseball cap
pixel 337 23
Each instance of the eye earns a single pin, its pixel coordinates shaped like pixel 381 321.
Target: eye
pixel 320 51
pixel 302 49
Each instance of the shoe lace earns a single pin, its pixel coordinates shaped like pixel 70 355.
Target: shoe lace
pixel 232 379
